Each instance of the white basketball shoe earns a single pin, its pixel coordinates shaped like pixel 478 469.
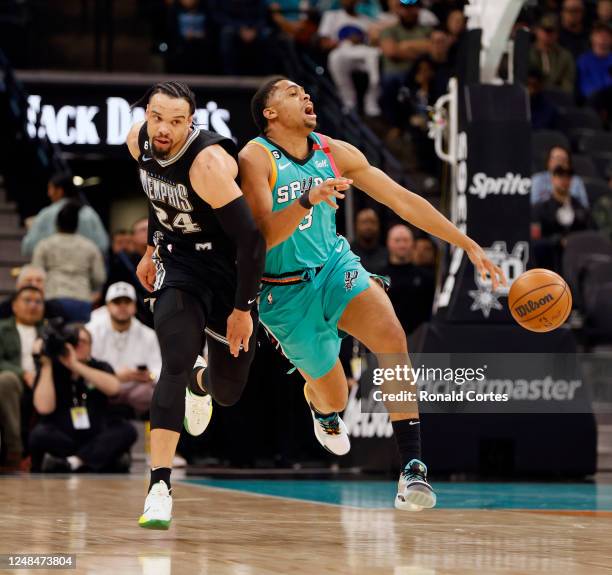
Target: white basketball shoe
pixel 157 512
pixel 198 408
pixel 330 430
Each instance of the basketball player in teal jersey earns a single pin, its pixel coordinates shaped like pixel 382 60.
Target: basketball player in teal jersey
pixel 313 285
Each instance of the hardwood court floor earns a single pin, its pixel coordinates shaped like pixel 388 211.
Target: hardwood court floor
pixel 220 531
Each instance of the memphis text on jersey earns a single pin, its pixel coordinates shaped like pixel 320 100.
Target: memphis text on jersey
pixel 161 190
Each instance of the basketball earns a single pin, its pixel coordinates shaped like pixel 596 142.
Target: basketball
pixel 540 300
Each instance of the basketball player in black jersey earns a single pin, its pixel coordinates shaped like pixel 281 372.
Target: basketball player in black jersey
pixel 203 266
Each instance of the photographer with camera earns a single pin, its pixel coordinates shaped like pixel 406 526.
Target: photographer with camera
pixel 71 395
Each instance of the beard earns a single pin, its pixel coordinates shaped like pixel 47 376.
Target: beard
pixel 159 154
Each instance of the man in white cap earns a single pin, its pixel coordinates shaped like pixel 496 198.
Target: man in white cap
pixel 129 346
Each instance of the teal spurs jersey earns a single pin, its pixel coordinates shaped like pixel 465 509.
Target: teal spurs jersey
pixel 314 239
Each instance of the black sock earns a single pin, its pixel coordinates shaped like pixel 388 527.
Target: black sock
pixel 160 474
pixel 408 438
pixel 193 382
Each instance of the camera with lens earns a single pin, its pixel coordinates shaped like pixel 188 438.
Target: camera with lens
pixel 55 335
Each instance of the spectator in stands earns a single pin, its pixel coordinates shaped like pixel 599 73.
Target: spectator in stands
pixel 554 62
pixel 139 236
pixel 122 268
pixel 243 33
pixel 295 24
pixel 31 276
pixel 419 88
pixel 121 241
pixel 573 35
pixel 595 66
pixel 294 18
pixel 441 41
pixel 75 432
pixel 555 218
pixel 60 189
pixel 542 182
pixel 120 260
pixel 401 45
pixel 416 97
pixel 129 347
pixel 344 33
pixel 425 252
pixel 455 26
pixel 17 369
pixel 544 113
pixel 455 23
pixel 370 8
pixel 367 241
pixel 412 287
pixel 190 38
pixel 442 8
pixel 604 11
pixel 74 265
pixel 404 42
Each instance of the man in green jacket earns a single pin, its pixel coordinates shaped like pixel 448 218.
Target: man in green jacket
pixel 546 55
pixel 17 369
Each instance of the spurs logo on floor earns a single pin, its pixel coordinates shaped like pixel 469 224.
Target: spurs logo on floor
pixel 350 278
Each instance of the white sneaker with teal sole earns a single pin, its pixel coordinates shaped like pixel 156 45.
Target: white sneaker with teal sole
pixel 198 408
pixel 157 512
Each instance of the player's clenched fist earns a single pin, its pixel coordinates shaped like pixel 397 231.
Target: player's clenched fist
pixel 326 192
pixel 146 270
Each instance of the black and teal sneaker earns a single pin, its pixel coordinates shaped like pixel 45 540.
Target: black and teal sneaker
pixel 413 491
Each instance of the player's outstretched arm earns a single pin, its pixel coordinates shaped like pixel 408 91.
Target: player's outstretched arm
pixel 277 226
pixel 212 176
pixel 409 206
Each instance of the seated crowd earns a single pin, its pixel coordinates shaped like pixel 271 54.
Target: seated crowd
pixel 404 51
pixel 76 363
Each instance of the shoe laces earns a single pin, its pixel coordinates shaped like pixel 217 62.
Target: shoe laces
pixel 330 423
pixel 415 471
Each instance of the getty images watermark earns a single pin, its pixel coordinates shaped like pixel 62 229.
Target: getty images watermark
pixel 511 383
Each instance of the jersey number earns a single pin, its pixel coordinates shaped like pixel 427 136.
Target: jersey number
pixel 307 221
pixel 182 221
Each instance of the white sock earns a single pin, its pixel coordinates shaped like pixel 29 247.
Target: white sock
pixel 74 462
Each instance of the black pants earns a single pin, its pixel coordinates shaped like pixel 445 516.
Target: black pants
pixel 98 450
pixel 181 318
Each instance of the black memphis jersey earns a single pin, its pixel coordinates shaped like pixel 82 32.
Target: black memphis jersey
pixel 181 216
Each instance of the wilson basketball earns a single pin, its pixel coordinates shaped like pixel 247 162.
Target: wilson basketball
pixel 540 300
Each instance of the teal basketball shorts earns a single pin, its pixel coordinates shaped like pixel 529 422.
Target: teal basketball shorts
pixel 304 317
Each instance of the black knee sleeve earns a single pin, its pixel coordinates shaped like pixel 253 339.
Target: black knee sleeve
pixel 227 375
pixel 168 403
pixel 179 325
pixel 225 391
